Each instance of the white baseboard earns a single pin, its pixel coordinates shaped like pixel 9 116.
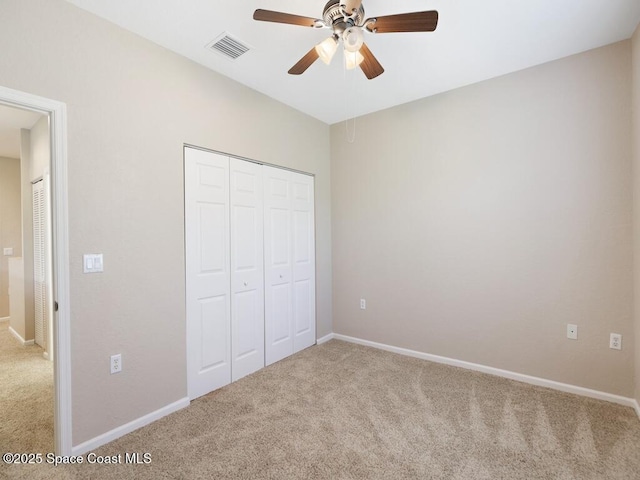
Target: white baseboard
pixel 25 343
pixel 541 382
pixel 324 339
pixel 118 432
pixel 4 319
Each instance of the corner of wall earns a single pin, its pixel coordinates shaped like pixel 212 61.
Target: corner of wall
pixel 28 327
pixel 635 137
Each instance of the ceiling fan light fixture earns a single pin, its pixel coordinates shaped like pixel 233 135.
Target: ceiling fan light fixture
pixel 347 21
pixel 352 59
pixel 353 39
pixel 327 49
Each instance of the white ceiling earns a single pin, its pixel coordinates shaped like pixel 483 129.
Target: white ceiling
pixel 11 121
pixel 475 40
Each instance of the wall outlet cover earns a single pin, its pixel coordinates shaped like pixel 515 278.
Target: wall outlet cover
pixel 116 363
pixel 615 341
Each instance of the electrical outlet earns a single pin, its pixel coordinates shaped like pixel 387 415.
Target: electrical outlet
pixel 615 341
pixel 572 331
pixel 363 304
pixel 116 363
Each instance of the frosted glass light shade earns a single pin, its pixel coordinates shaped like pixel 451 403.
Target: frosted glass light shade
pixel 353 39
pixel 352 59
pixel 327 49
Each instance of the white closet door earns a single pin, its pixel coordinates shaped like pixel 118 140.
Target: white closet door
pixel 304 265
pixel 39 263
pixel 207 271
pixel 277 263
pixel 247 271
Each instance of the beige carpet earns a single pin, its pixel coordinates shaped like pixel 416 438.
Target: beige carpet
pixel 341 411
pixel 26 396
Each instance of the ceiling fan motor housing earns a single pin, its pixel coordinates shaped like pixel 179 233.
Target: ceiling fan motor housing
pixel 334 17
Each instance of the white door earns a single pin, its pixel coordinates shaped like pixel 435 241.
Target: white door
pixel 304 265
pixel 39 263
pixel 207 271
pixel 277 265
pixel 247 272
pixel 289 239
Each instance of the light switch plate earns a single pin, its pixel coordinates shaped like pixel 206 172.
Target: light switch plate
pixel 572 331
pixel 92 263
pixel 7 251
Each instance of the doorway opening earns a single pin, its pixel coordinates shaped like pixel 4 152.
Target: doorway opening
pixel 34 278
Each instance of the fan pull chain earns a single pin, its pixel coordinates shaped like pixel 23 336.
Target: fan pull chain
pixel 351 137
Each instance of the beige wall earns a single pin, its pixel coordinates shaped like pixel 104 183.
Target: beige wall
pixel 10 228
pixel 131 107
pixel 635 42
pixel 479 222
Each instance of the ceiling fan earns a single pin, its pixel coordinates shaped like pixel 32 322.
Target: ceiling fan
pixel 346 19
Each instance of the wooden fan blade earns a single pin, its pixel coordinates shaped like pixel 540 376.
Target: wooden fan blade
pixel 305 62
pixel 278 17
pixel 404 22
pixel 370 65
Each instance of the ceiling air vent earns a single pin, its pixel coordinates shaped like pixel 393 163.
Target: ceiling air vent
pixel 228 46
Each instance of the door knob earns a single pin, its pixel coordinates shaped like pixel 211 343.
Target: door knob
pixel 246 283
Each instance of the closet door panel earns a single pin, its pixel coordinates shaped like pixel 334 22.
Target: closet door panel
pixel 304 321
pixel 39 287
pixel 303 261
pixel 247 268
pixel 212 317
pixel 278 265
pixel 280 307
pixel 207 271
pixel 247 338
